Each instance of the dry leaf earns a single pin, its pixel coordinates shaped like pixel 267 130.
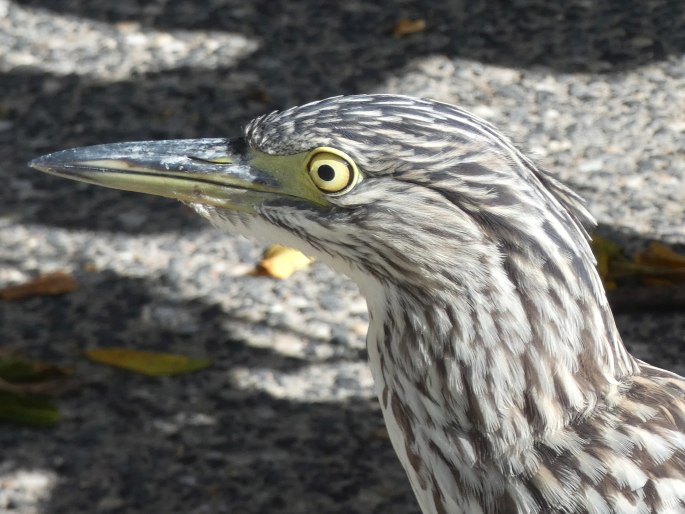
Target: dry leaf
pixel 148 363
pixel 663 265
pixel 657 265
pixel 280 261
pixel 90 267
pixel 49 284
pixel 53 387
pixel 658 254
pixel 405 27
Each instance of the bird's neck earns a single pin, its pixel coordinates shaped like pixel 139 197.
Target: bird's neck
pixel 499 363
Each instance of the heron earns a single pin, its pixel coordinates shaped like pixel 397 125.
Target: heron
pixel 503 380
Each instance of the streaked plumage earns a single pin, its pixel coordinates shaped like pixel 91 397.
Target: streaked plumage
pixel 500 372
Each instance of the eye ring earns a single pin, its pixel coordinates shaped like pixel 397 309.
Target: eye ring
pixel 332 171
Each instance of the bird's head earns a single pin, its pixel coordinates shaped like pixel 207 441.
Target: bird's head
pixel 449 231
pixel 407 190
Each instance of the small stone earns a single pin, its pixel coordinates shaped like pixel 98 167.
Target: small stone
pixel 591 166
pixel 641 41
pixel 110 503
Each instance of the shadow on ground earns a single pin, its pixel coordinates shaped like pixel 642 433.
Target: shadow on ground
pixel 216 447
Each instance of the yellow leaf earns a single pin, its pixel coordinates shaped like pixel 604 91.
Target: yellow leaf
pixel 280 261
pixel 405 27
pixel 43 285
pixel 148 363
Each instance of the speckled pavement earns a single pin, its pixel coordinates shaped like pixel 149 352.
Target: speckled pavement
pixel 285 420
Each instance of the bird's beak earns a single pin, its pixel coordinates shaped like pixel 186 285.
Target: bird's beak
pixel 209 171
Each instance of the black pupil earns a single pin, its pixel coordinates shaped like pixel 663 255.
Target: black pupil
pixel 326 172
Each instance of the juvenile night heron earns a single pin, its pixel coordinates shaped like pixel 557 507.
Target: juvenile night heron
pixel 503 381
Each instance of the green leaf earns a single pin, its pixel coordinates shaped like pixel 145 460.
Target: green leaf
pixel 27 410
pixel 16 369
pixel 148 363
pixel 608 254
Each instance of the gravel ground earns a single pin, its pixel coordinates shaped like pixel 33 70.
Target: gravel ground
pixel 285 420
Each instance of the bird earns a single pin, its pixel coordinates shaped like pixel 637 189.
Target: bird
pixel 501 375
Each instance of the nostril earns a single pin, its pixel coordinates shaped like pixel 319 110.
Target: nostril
pixel 222 159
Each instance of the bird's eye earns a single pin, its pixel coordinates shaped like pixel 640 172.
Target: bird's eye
pixel 332 171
